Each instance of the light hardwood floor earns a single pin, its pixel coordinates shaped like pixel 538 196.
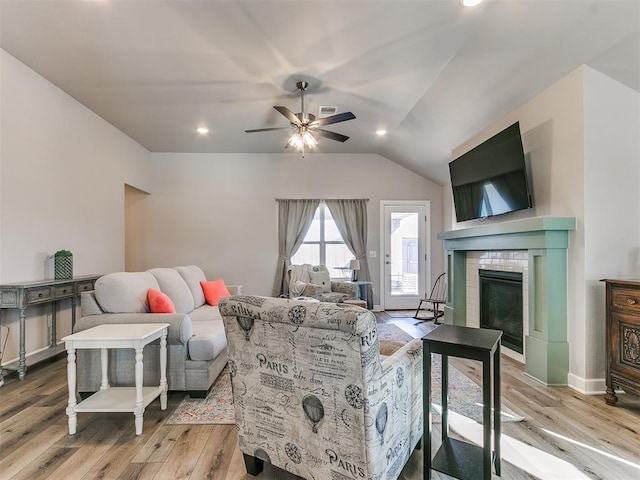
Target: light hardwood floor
pixel 566 435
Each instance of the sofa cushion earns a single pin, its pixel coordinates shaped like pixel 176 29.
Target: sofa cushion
pixel 208 341
pixel 214 291
pixel 205 313
pixel 193 275
pixel 172 283
pixel 160 302
pixel 125 292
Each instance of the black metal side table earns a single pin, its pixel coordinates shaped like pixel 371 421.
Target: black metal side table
pixel 456 458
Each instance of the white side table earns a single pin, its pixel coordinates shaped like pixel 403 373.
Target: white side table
pixel 117 399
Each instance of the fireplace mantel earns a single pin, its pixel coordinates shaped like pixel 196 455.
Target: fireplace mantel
pixel 546 239
pixel 536 232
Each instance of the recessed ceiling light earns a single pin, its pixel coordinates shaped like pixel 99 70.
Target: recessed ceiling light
pixel 471 3
pixel 202 130
pixel 381 132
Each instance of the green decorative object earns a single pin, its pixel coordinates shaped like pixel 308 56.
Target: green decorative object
pixel 63 264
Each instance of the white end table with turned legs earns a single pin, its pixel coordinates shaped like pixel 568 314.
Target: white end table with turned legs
pixel 117 399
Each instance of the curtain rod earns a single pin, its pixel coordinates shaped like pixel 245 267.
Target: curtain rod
pixel 321 199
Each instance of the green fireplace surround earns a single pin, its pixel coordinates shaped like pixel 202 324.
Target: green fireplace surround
pixel 546 239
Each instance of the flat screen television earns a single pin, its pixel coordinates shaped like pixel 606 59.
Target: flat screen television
pixel 491 179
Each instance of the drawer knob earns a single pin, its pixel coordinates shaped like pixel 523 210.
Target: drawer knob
pixel 631 301
pixel 40 295
pixel 64 291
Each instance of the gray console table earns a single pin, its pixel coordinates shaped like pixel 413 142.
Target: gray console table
pixel 22 295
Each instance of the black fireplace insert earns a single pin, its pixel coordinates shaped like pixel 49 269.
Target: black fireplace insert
pixel 501 305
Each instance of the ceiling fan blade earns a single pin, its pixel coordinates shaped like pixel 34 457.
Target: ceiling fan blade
pixel 338 137
pixel 338 117
pixel 266 129
pixel 289 114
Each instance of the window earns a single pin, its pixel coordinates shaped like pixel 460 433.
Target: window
pixel 323 245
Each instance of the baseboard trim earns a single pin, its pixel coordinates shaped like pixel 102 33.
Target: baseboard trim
pixel 586 386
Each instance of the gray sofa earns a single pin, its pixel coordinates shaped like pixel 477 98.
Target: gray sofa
pixel 196 343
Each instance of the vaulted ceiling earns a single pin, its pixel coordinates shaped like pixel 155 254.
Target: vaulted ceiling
pixel 432 73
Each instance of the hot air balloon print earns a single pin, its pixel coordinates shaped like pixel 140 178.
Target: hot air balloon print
pixel 314 410
pixel 246 324
pixel 381 421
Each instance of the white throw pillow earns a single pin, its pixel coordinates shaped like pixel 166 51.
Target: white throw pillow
pixel 321 277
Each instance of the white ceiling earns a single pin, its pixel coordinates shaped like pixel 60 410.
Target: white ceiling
pixel 431 72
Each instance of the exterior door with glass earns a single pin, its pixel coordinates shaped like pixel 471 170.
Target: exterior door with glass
pixel 404 263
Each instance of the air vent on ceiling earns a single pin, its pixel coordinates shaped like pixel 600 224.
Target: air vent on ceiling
pixel 325 111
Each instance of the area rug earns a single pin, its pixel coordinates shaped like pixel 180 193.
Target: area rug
pixel 216 409
pixel 465 396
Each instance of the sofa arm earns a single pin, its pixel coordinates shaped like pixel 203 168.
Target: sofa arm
pixel 395 402
pixel 350 289
pixel 89 304
pixel 180 326
pixel 312 290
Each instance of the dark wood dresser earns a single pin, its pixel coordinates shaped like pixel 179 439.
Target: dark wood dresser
pixel 623 337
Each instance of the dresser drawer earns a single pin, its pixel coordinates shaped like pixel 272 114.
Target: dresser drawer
pixel 626 299
pixel 39 295
pixel 84 286
pixel 9 298
pixel 63 291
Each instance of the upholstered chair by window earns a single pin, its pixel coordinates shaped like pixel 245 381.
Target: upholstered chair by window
pixel 314 396
pixel 314 281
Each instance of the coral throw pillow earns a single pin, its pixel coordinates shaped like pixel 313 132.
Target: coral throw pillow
pixel 214 291
pixel 160 302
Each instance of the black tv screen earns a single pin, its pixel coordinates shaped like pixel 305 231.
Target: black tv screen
pixel 491 179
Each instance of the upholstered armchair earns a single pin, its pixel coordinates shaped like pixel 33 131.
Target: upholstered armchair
pixel 312 393
pixel 314 281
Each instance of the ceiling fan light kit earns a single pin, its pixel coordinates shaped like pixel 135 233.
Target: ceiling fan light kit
pixel 305 124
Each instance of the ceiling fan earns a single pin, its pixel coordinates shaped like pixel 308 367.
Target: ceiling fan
pixel 305 124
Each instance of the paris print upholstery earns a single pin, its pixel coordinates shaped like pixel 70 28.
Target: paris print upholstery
pixel 312 394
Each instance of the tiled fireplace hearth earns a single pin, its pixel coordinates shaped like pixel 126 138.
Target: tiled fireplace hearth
pixel 535 247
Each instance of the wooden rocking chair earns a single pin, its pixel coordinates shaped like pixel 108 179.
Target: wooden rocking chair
pixel 437 297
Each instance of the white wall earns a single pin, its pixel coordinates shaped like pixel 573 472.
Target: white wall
pixel 63 171
pixel 612 200
pixel 219 210
pixel 552 137
pixel 580 138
